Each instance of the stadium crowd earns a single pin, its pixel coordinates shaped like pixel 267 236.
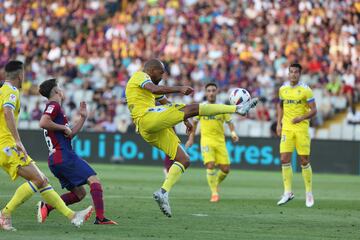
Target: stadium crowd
pixel 93 47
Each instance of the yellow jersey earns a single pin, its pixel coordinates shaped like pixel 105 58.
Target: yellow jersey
pixel 139 100
pixel 212 128
pixel 295 104
pixel 9 97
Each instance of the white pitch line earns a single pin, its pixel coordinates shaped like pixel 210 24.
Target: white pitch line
pixel 199 215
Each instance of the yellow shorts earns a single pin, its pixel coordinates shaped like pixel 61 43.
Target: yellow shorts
pixel 156 127
pixel 295 139
pixel 11 160
pixel 215 153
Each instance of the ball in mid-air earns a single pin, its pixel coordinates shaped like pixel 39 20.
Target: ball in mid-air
pixel 239 96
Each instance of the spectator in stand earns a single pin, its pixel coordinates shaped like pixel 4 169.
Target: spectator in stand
pixel 349 85
pixel 96 44
pixel 353 116
pixel 36 113
pixel 262 113
pixel 24 114
pixel 334 85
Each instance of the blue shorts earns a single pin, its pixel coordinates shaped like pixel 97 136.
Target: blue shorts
pixel 73 171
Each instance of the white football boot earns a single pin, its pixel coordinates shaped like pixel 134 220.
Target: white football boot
pixel 163 200
pixel 286 197
pixel 244 108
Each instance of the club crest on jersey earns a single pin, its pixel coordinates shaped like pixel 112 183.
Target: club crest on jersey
pixel 7 151
pixel 12 98
pixel 50 109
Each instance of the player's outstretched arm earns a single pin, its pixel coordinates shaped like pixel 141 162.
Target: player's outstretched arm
pixel 80 123
pixel 11 124
pixel 155 89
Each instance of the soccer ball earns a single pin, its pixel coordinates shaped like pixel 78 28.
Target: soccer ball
pixel 239 96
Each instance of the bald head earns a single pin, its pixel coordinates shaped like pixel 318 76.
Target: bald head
pixel 154 64
pixel 155 69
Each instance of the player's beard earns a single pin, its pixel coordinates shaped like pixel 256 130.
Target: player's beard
pixel 157 81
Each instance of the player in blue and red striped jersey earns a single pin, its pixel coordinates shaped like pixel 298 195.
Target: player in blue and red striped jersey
pixel 72 171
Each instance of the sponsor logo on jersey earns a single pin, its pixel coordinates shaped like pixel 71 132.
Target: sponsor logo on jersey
pixel 50 109
pixel 12 98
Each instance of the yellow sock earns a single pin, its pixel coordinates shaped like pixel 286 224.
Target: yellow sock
pixel 52 198
pixel 22 193
pixel 307 175
pixel 221 176
pixel 215 109
pixel 287 175
pixel 173 176
pixel 212 180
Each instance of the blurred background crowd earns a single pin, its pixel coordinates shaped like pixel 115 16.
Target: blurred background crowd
pixel 93 47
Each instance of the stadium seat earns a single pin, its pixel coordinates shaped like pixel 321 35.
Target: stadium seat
pixel 255 129
pixel 335 131
pixel 347 132
pixel 322 134
pixel 357 132
pixel 243 127
pixel 34 125
pixel 78 96
pixel 23 124
pixel 88 95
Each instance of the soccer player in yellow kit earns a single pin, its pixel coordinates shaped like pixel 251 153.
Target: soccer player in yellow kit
pixel 154 123
pixel 297 106
pixel 213 146
pixel 15 160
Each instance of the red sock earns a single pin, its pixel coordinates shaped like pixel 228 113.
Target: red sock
pixel 68 198
pixel 97 196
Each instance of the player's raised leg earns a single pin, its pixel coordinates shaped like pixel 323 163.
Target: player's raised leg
pixel 307 176
pixel 181 162
pixel 195 109
pixel 287 175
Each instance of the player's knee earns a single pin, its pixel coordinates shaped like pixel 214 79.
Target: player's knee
pixel 304 161
pixel 225 169
pixel 81 193
pixel 210 165
pixel 191 110
pixel 93 179
pixel 186 163
pixel 40 181
pixel 184 160
pixel 285 159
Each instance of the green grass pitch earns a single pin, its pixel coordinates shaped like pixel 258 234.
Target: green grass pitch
pixel 247 209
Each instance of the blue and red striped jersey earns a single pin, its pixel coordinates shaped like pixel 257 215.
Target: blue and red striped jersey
pixel 58 144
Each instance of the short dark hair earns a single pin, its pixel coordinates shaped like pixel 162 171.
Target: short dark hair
pixel 296 65
pixel 211 84
pixel 13 66
pixel 46 87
